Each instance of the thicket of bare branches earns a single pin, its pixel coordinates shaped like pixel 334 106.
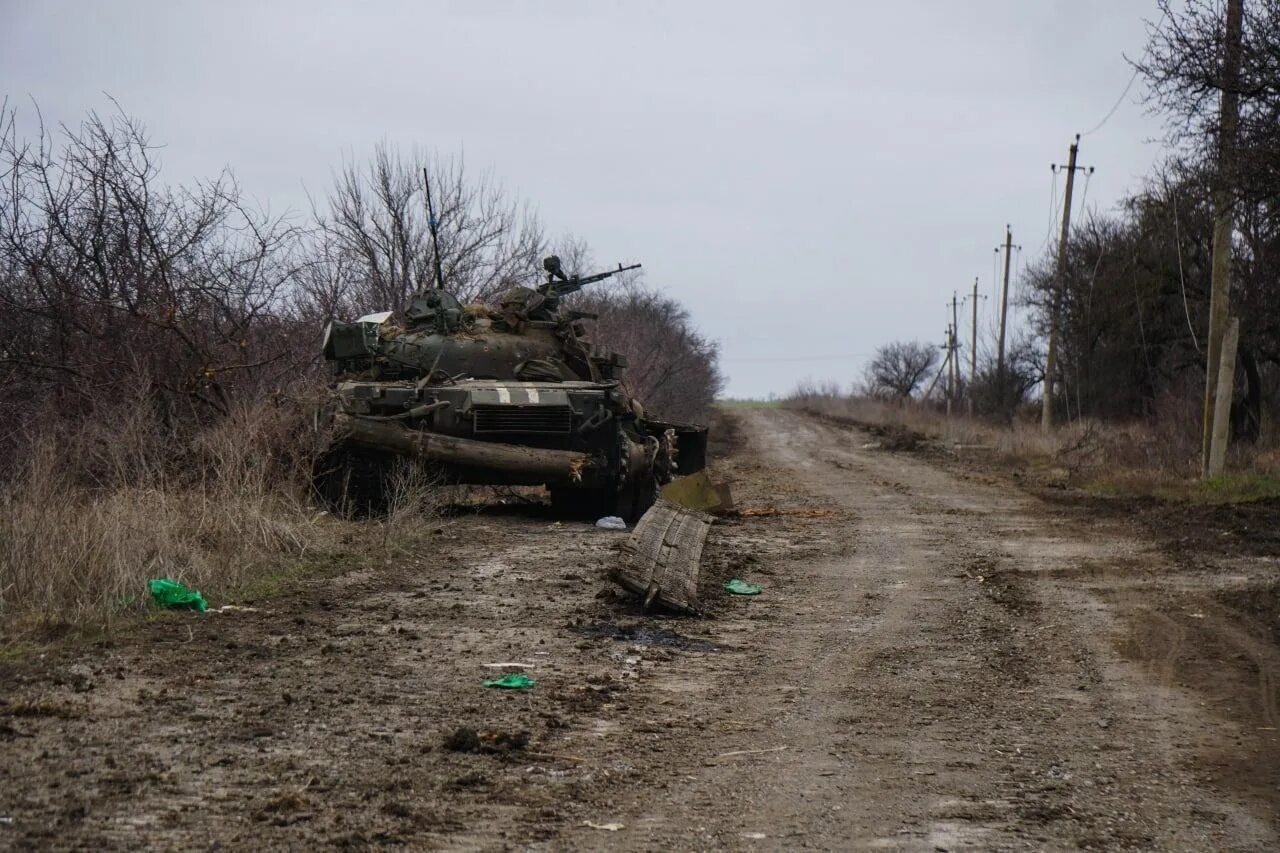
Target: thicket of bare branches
pixel 112 281
pixel 672 368
pixel 1183 68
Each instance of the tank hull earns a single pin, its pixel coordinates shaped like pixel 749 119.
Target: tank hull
pixel 585 441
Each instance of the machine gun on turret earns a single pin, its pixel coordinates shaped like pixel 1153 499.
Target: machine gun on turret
pixel 558 284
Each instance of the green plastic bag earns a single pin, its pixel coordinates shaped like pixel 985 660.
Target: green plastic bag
pixel 173 595
pixel 738 586
pixel 512 681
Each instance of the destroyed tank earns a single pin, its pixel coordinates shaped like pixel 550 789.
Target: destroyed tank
pixel 511 395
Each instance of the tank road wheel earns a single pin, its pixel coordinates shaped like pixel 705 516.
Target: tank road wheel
pixel 352 482
pixel 636 498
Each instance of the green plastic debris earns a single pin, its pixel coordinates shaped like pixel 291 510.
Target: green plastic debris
pixel 512 681
pixel 173 595
pixel 738 586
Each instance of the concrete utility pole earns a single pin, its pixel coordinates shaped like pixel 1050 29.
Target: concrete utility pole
pixel 951 368
pixel 973 339
pixel 1220 276
pixel 1004 310
pixel 1055 300
pixel 1222 405
pixel 946 345
pixel 955 341
pixel 973 347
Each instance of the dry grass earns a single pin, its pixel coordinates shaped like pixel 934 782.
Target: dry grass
pixel 1156 458
pixel 93 513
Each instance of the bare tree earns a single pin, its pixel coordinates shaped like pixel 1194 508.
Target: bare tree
pixel 376 230
pixel 899 368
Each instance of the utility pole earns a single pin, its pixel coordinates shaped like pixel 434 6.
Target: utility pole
pixel 955 343
pixel 973 339
pixel 1004 310
pixel 1222 405
pixel 1059 289
pixel 946 345
pixel 1220 276
pixel 973 346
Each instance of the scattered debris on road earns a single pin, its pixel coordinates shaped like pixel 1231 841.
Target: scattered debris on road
pixel 737 586
pixel 172 595
pixel 696 491
pixel 512 681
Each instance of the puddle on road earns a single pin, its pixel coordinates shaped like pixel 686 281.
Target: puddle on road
pixel 640 635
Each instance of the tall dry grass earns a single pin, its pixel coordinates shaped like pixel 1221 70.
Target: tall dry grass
pixel 1158 456
pixel 95 509
pixel 96 506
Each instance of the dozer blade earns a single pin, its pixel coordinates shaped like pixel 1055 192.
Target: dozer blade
pixel 661 558
pixel 696 491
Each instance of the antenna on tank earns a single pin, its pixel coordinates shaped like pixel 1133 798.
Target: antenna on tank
pixel 433 226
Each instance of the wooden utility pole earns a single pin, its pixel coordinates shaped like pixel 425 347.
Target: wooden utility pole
pixel 1059 290
pixel 1004 310
pixel 1220 276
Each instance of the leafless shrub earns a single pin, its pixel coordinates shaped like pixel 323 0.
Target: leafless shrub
pixel 414 496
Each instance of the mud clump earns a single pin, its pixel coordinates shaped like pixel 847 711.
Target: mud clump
pixel 466 739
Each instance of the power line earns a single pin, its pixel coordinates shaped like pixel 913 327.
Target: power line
pixel 1116 106
pixel 1084 196
pixel 1177 239
pixel 1053 207
pixel 1132 77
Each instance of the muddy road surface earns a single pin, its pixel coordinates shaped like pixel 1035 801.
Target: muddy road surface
pixel 938 662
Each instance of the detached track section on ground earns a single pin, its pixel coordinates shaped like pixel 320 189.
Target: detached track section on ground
pixel 935 663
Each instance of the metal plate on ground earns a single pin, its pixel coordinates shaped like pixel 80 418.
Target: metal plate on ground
pixel 661 559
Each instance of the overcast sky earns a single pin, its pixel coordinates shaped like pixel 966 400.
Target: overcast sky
pixel 811 178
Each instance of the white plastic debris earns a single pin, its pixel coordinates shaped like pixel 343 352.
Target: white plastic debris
pixel 611 522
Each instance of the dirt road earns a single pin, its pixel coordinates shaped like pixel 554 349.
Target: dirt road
pixel 938 661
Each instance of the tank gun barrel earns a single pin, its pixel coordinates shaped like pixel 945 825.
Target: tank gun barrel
pixel 550 465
